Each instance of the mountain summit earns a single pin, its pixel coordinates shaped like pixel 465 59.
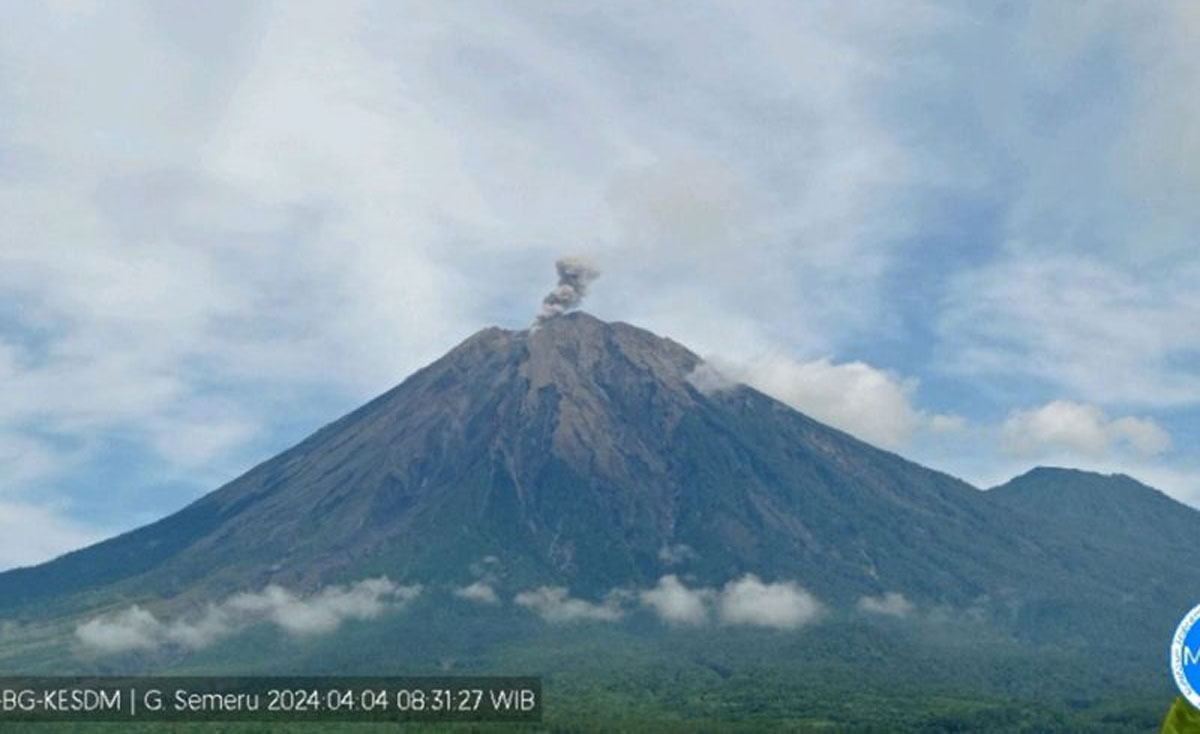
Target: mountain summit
pixel 596 455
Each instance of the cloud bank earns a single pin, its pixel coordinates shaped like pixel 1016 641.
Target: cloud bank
pixel 747 601
pixel 137 629
pixel 555 605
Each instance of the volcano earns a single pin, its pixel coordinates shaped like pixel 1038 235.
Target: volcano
pixel 597 455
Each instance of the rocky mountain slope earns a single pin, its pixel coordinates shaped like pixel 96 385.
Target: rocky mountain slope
pixel 597 455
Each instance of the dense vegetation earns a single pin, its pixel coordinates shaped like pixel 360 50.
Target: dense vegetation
pixel 861 675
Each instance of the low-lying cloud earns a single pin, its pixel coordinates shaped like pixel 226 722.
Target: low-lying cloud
pixel 891 604
pixel 136 628
pixel 131 629
pixel 781 605
pixel 747 601
pixel 674 603
pixel 554 604
pixel 487 572
pixel 480 592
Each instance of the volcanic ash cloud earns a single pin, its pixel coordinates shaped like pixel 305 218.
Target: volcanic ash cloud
pixel 574 276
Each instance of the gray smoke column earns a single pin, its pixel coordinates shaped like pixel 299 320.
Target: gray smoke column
pixel 574 276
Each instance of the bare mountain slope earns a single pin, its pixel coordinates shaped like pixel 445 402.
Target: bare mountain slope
pixel 581 453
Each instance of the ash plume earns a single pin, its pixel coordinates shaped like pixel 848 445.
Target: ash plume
pixel 574 276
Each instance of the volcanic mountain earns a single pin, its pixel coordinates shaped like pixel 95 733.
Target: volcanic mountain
pixel 597 455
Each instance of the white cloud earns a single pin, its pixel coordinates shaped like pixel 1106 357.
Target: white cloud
pixel 320 613
pixel 745 601
pixel 30 534
pixel 479 591
pixel 869 403
pixel 1080 428
pixel 891 604
pixel 1144 435
pixel 324 611
pixel 677 604
pixel 780 605
pixel 555 605
pixel 131 629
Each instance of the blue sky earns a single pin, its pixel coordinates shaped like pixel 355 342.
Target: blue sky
pixel 963 231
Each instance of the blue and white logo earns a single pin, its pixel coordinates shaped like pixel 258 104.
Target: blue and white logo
pixel 1185 656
